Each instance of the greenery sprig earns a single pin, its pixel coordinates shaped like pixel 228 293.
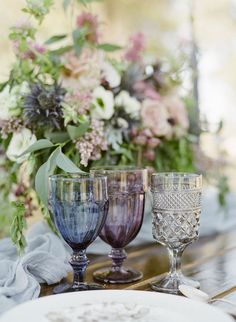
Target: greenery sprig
pixel 38 8
pixel 18 225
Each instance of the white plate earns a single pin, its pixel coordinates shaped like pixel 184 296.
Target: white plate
pixel 114 306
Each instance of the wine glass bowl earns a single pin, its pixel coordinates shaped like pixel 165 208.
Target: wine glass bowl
pixel 176 209
pixel 78 206
pixel 126 190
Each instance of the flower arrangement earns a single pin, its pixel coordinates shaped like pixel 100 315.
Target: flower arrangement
pixel 72 106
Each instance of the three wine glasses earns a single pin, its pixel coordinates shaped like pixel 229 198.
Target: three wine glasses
pixel 109 202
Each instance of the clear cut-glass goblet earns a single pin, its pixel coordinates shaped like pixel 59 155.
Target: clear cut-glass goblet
pixel 126 190
pixel 78 205
pixel 176 209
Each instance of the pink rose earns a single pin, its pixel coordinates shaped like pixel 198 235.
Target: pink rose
pixel 155 117
pixel 177 111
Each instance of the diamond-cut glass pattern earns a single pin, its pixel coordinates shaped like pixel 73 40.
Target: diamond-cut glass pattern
pixel 177 200
pixel 176 217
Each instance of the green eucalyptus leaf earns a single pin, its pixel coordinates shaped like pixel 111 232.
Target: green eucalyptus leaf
pixel 64 163
pixel 61 51
pixel 125 152
pixel 77 131
pixel 78 36
pixel 57 137
pixel 109 47
pixel 38 145
pixel 41 179
pixel 55 38
pixel 3 85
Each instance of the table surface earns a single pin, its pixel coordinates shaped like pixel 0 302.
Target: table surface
pixel 210 260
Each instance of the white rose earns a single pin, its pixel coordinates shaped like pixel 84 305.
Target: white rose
pixel 103 102
pixel 131 105
pixel 122 123
pixel 111 75
pixel 9 100
pixel 19 143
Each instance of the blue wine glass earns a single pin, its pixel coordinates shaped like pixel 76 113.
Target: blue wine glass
pixel 78 205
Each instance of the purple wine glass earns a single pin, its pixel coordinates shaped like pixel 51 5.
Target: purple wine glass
pixel 78 205
pixel 126 190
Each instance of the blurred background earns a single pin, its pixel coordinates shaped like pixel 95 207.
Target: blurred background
pixel 203 29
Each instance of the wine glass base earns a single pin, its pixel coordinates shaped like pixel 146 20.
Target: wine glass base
pixel 123 276
pixel 65 288
pixel 170 284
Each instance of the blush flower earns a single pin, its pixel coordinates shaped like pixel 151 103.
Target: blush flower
pixel 178 115
pixel 31 52
pixel 90 22
pixel 76 105
pixel 146 90
pixel 136 46
pixel 83 73
pixel 155 117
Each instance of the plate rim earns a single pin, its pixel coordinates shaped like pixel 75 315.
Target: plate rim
pixel 180 299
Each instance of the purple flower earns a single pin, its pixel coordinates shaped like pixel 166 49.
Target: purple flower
pixel 137 44
pixel 31 52
pixel 90 22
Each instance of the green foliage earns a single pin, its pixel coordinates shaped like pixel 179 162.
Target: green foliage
pixel 174 155
pixel 6 215
pixel 38 8
pixel 57 137
pixel 109 47
pixel 65 164
pixel 55 38
pixel 46 216
pixel 18 226
pixel 41 179
pixel 38 145
pixel 60 51
pixel 76 132
pixel 56 159
pixel 223 190
pixel 79 39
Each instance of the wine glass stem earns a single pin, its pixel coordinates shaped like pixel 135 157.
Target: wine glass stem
pixel 79 263
pixel 118 255
pixel 175 261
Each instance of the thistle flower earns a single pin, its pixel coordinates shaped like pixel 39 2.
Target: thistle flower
pixel 43 106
